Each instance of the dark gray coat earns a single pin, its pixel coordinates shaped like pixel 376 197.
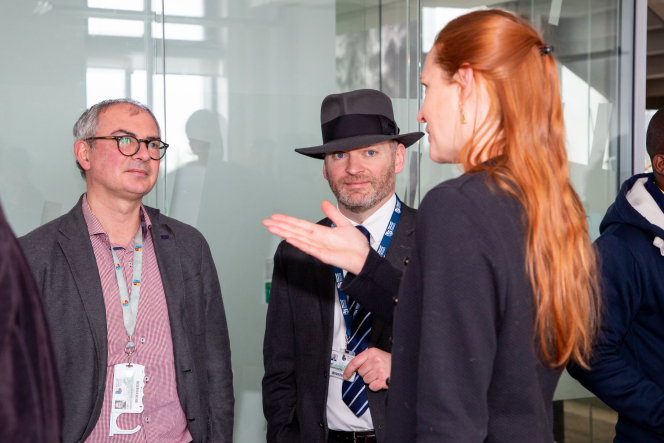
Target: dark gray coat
pixel 63 262
pixel 298 342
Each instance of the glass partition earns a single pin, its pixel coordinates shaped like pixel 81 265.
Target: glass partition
pixel 238 102
pixel 237 85
pixel 63 57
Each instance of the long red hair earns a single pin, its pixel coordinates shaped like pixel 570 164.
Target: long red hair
pixel 530 163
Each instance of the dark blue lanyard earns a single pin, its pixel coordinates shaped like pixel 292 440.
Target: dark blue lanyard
pixel 382 249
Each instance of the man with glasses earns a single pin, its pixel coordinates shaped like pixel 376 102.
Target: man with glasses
pixel 133 297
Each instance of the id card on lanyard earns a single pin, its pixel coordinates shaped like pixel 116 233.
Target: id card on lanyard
pixel 341 358
pixel 128 379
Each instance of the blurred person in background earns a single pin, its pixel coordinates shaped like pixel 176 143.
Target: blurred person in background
pixel 31 403
pixel 501 290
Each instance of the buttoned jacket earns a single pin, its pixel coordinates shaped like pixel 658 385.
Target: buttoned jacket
pixel 63 262
pixel 298 341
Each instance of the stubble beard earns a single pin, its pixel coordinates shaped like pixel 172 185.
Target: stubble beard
pixel 361 201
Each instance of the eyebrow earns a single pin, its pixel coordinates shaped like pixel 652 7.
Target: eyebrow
pixel 125 132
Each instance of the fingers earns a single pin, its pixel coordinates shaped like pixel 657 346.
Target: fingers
pixel 374 367
pixel 287 233
pixel 377 385
pixel 306 248
pixel 333 214
pixel 293 220
pixel 355 364
pixel 292 227
pixel 376 378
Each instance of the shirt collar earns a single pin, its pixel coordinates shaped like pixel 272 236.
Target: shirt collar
pixel 95 227
pixel 377 223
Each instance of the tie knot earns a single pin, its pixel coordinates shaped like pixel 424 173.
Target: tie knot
pixel 364 231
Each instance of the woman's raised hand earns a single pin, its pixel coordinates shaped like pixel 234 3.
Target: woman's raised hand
pixel 344 246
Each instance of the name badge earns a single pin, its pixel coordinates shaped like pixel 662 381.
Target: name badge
pixel 128 383
pixel 338 363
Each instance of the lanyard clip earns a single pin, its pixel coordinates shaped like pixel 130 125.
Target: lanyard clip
pixel 130 348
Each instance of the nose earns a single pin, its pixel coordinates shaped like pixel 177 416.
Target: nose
pixel 354 165
pixel 142 154
pixel 420 116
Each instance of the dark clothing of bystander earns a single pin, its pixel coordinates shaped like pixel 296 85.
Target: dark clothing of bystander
pixel 626 370
pixel 31 402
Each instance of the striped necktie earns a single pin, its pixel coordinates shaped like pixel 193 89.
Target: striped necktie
pixel 354 394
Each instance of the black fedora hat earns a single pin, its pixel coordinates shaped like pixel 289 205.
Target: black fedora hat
pixel 355 119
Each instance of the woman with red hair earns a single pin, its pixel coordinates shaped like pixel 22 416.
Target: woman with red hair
pixel 501 289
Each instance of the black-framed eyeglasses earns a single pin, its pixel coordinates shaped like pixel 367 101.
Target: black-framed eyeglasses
pixel 129 145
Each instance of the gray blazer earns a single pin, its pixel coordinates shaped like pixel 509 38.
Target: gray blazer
pixel 63 262
pixel 298 341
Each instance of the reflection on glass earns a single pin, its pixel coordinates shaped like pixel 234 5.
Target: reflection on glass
pixel 139 85
pixel 581 104
pixel 179 31
pixel 188 8
pixel 185 94
pixel 125 5
pixel 115 27
pixel 435 19
pixel 103 84
pixel 203 130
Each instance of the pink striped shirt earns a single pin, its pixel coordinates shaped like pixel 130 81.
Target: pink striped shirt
pixel 162 419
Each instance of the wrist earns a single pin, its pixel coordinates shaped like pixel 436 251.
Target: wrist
pixel 361 259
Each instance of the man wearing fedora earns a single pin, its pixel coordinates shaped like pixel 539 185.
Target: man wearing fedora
pixel 313 328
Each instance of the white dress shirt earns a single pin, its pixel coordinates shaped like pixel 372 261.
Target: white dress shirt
pixel 339 416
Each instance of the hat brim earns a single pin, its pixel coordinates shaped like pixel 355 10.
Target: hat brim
pixel 346 144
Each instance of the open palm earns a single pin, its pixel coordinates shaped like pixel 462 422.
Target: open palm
pixel 344 246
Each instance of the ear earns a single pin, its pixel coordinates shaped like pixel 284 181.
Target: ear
pixel 465 76
pixel 82 152
pixel 401 159
pixel 658 164
pixel 324 170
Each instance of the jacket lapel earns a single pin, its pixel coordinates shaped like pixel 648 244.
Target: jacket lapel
pixel 325 286
pixel 77 247
pixel 170 268
pixel 396 254
pixel 325 289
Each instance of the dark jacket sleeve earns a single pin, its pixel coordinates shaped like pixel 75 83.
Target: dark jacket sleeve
pixel 452 270
pixel 375 287
pixel 611 378
pixel 218 349
pixel 279 389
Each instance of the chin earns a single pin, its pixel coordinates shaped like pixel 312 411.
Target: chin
pixel 141 190
pixel 442 155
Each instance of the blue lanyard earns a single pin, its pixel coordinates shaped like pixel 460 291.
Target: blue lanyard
pixel 382 249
